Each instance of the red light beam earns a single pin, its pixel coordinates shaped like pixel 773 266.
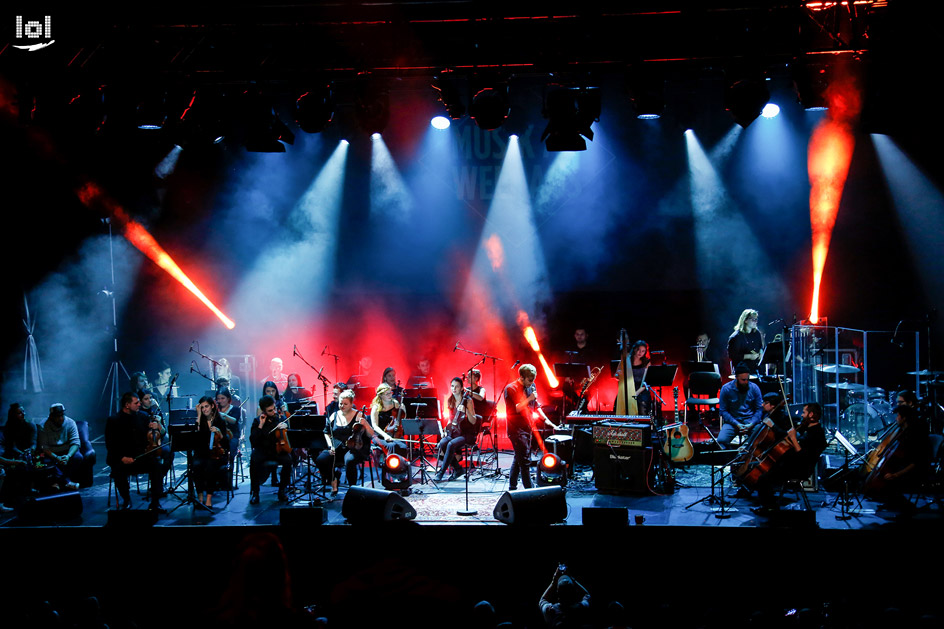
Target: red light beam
pixel 91 194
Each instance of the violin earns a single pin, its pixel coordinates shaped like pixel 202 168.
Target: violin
pixel 356 440
pixel 452 429
pixel 217 451
pixel 282 445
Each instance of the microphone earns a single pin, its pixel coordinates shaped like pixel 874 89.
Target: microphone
pixel 191 345
pixel 294 350
pixel 174 379
pixel 191 365
pixel 517 362
pixel 324 351
pixel 456 347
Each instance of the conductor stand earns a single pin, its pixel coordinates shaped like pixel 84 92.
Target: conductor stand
pixel 842 498
pixel 425 423
pixel 306 429
pixel 185 438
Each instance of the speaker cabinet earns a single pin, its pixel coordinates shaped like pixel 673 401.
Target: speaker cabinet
pixel 362 504
pixel 623 470
pixel 545 505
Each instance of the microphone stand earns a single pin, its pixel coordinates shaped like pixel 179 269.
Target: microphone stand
pixel 325 352
pixel 486 356
pixel 214 364
pixel 318 373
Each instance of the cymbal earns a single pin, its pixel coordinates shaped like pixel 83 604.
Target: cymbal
pixel 924 373
pixel 837 368
pixel 846 386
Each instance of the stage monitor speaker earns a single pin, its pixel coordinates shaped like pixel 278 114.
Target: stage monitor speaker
pixel 545 505
pixel 302 516
pixel 131 518
pixel 622 470
pixel 363 505
pixel 605 516
pixel 51 509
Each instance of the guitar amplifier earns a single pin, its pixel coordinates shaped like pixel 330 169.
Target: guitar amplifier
pixel 623 470
pixel 622 434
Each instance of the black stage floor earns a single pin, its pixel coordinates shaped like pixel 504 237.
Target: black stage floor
pixel 680 559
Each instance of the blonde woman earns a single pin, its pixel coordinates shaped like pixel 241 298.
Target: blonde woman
pixel 746 343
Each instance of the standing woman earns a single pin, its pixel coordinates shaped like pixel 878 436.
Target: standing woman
pixel 211 457
pixel 746 343
pixel 339 429
pixel 383 411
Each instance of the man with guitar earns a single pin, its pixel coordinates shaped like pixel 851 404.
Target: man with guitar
pixel 521 401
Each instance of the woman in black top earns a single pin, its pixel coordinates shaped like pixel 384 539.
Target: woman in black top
pixel 339 428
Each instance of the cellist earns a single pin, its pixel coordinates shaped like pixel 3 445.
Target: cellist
pixel 905 462
pixel 264 439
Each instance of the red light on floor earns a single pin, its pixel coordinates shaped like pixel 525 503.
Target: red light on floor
pixel 393 462
pixel 549 461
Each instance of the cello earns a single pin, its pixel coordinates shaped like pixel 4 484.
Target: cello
pixel 765 450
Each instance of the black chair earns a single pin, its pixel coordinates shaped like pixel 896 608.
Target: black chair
pixel 706 385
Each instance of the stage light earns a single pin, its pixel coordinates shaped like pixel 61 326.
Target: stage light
pixel 264 132
pixel 811 82
pixel 570 112
pixel 372 107
pixel 440 122
pixel 513 136
pixel 375 136
pixel 344 142
pixel 449 95
pixel 770 110
pixel 314 109
pixel 646 93
pixel 551 471
pixel 395 474
pixel 745 100
pixel 490 107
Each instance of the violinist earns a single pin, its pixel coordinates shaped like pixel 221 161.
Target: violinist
pixel 272 390
pixel 211 458
pixel 905 463
pixel 385 422
pixel 126 443
pixel 520 396
pixel 798 463
pixel 265 438
pixel 347 434
pixel 150 407
pixel 233 415
pixel 461 430
pixel 332 407
pixel 740 401
pixel 294 390
pixel 390 379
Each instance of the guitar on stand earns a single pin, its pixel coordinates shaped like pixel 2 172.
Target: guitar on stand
pixel 678 447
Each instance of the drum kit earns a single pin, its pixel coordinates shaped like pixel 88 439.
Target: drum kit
pixel 868 410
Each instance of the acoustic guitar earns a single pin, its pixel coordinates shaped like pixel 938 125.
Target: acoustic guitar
pixel 678 447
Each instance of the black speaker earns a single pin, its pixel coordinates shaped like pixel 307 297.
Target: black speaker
pixel 545 505
pixel 52 509
pixel 620 470
pixel 605 516
pixel 131 518
pixel 375 505
pixel 302 516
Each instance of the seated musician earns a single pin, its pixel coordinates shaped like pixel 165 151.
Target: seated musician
pixel 150 407
pixel 462 429
pixel 19 439
pixel 906 464
pixel 347 434
pixel 234 416
pixel 798 463
pixel 740 404
pixel 383 414
pixel 264 439
pixel 211 458
pixel 126 443
pixel 57 441
pixel 294 390
pixel 336 391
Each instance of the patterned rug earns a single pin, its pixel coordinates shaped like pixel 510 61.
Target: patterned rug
pixel 443 507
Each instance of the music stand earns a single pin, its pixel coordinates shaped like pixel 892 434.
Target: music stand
pixel 843 497
pixel 421 427
pixel 306 429
pixel 488 413
pixel 184 437
pixel 576 372
pixel 690 366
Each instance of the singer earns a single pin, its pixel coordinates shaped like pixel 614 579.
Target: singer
pixel 521 401
pixel 746 343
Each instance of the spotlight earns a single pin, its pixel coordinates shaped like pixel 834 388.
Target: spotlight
pixel 570 112
pixel 449 96
pixel 770 110
pixel 490 107
pixel 440 122
pixel 646 93
pixel 314 109
pixel 372 107
pixel 201 122
pixel 811 81
pixel 551 471
pixel 395 473
pixel 151 113
pixel 375 136
pixel 264 132
pixel 745 100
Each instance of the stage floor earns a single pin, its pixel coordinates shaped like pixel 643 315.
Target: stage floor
pixel 690 504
